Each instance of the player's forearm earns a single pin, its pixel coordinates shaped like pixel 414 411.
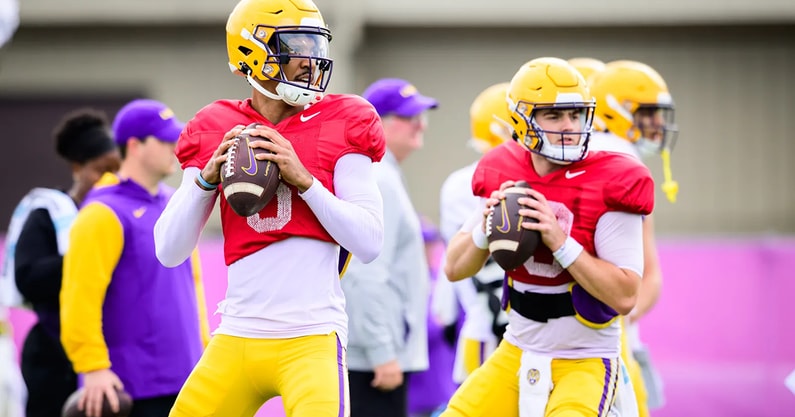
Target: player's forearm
pixel 651 285
pixel 463 258
pixel 355 225
pixel 616 287
pixel 613 277
pixel 178 229
pixel 649 293
pixel 354 216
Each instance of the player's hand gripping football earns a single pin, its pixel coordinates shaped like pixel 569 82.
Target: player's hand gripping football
pixel 538 208
pixel 212 170
pixel 494 199
pixel 292 170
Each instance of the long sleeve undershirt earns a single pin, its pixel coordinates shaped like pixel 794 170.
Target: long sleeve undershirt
pixel 353 217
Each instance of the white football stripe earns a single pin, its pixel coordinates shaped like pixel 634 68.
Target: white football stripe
pixel 515 190
pixel 243 187
pixel 503 244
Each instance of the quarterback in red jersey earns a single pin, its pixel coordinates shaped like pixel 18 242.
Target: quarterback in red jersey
pixel 560 353
pixel 283 327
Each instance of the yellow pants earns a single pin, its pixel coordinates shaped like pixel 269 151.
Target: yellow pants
pixel 235 376
pixel 633 369
pixel 582 387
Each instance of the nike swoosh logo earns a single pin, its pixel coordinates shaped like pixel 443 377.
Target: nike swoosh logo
pixel 251 169
pixel 138 213
pixel 506 220
pixel 307 118
pixel 570 175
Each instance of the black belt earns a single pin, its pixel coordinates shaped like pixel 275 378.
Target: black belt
pixel 541 307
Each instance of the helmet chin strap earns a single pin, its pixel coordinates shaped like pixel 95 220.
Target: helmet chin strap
pixel 290 94
pixel 295 96
pixel 669 186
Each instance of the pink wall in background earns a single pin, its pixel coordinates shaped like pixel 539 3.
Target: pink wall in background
pixel 722 334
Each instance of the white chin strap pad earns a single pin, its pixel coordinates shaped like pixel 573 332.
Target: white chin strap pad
pixel 290 94
pixel 295 96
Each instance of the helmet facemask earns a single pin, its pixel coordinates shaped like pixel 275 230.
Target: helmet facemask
pixel 655 130
pixel 284 44
pixel 537 139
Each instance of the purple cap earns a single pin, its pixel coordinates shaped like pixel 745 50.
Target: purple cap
pixel 143 118
pixel 399 97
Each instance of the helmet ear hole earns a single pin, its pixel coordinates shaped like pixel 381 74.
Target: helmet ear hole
pixel 244 68
pixel 244 50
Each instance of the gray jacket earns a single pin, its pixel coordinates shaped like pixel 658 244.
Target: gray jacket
pixel 386 300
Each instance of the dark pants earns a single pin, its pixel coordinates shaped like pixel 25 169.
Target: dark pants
pixel 47 372
pixel 367 401
pixel 153 407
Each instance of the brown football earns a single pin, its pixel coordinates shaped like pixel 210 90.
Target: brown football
pixel 125 405
pixel 510 244
pixel 248 183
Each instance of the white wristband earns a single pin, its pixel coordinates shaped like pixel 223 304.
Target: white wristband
pixel 478 237
pixel 568 253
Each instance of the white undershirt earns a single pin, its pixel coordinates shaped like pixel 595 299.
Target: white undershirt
pixel 566 337
pixel 268 297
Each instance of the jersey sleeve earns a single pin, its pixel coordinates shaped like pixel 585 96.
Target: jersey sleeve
pixel 194 148
pixel 366 135
pixel 361 127
pixel 204 132
pixel 479 181
pixel 95 246
pixel 487 177
pixel 633 190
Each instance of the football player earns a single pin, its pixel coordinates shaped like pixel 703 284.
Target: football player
pixel 480 297
pixel 635 116
pixel 560 352
pixel 283 326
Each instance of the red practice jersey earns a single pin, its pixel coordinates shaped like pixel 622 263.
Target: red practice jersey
pixel 320 134
pixel 579 194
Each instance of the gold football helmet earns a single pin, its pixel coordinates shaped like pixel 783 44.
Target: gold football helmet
pixel 587 66
pixel 263 35
pixel 633 102
pixel 489 118
pixel 549 83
